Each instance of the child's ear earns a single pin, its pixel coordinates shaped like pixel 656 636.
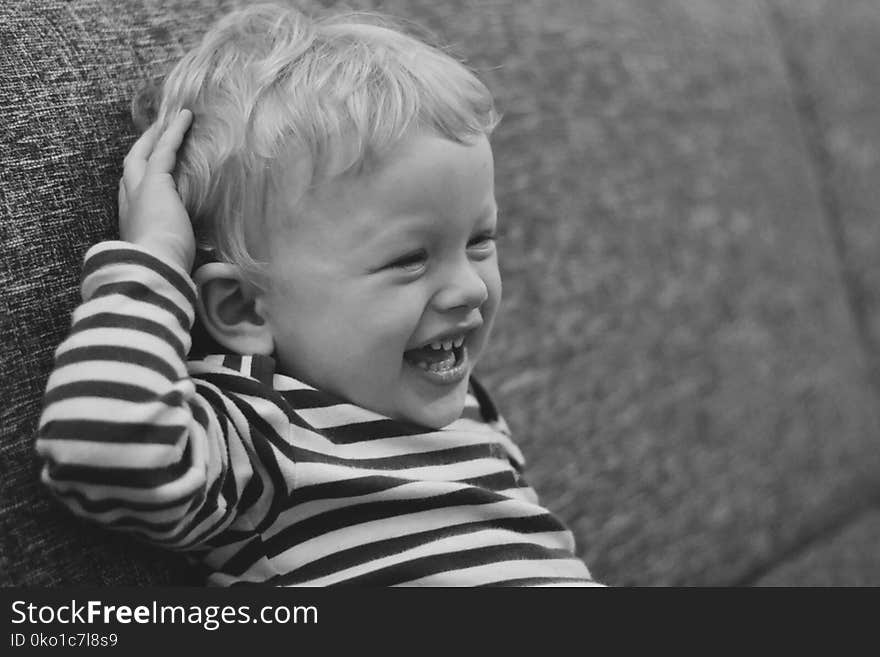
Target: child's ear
pixel 230 308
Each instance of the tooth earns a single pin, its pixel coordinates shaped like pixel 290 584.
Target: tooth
pixel 447 345
pixel 436 345
pixel 458 342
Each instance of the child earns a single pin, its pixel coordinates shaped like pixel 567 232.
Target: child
pixel 338 181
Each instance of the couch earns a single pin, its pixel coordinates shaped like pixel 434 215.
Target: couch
pixel 689 345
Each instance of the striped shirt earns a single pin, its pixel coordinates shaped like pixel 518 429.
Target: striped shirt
pixel 265 479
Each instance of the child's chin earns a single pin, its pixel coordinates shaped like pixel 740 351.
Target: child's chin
pixel 437 415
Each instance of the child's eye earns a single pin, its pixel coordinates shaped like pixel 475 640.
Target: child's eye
pixel 483 240
pixel 411 262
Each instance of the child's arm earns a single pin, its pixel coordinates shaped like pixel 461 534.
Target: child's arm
pixel 126 439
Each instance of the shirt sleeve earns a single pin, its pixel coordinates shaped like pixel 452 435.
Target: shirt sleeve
pixel 127 437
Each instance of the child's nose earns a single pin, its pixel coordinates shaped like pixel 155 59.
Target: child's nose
pixel 462 288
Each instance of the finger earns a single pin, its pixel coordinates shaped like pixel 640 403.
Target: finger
pixel 135 163
pixel 164 154
pixel 122 200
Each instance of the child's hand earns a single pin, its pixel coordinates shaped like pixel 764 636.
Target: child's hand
pixel 151 213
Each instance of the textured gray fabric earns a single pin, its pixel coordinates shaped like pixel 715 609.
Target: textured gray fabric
pixel 675 353
pixel 67 75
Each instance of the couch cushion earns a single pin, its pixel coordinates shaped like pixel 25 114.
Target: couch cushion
pixel 67 74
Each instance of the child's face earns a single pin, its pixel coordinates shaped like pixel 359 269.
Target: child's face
pixel 378 267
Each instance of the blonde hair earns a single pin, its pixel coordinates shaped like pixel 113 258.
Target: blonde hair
pixel 276 94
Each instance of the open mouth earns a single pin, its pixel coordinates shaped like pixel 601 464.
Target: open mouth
pixel 444 359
